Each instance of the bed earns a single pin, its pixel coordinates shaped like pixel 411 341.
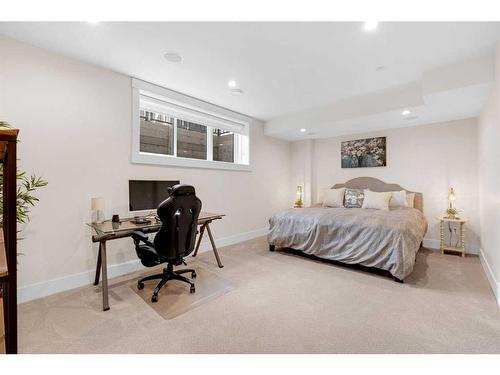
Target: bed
pixel 384 239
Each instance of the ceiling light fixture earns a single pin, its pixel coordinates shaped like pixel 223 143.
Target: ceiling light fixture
pixel 370 25
pixel 173 57
pixel 232 83
pixel 406 112
pixel 303 130
pixel 236 92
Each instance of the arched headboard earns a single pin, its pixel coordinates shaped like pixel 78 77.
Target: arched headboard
pixel 375 184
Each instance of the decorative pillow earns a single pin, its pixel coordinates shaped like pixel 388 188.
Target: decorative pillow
pixel 378 201
pixel 410 200
pixel 398 199
pixel 353 198
pixel 334 198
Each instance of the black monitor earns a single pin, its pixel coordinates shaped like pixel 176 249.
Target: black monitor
pixel 147 195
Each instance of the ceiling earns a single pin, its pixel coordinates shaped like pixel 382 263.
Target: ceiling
pixel 294 70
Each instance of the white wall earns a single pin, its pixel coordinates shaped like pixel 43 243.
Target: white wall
pixel 75 131
pixel 426 158
pixel 489 183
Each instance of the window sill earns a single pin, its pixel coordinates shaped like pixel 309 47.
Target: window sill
pixel 155 159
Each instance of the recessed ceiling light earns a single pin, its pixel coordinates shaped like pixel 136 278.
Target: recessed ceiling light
pixel 232 83
pixel 236 92
pixel 303 130
pixel 93 22
pixel 406 112
pixel 173 57
pixel 370 25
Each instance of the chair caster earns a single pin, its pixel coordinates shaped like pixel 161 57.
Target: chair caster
pixel 193 275
pixel 154 298
pixel 140 286
pixel 192 290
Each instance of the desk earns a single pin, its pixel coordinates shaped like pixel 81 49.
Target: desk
pixel 108 230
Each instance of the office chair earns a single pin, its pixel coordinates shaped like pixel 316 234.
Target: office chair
pixel 175 239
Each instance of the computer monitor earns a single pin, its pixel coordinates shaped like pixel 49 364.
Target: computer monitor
pixel 146 194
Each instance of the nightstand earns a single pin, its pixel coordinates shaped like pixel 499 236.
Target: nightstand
pixel 456 249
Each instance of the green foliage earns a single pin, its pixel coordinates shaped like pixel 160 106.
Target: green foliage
pixel 26 186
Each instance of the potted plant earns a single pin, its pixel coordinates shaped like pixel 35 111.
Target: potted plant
pixel 26 187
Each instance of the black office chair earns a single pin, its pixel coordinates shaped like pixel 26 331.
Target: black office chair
pixel 175 239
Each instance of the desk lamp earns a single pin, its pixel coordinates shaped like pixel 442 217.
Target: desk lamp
pixel 97 205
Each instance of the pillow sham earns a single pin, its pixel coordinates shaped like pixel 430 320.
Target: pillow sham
pixel 398 199
pixel 377 201
pixel 410 200
pixel 353 198
pixel 334 198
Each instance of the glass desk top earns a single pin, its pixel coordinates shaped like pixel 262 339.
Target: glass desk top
pixel 125 225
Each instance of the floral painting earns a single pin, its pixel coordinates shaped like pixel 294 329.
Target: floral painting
pixel 369 152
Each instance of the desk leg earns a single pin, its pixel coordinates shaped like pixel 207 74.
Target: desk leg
pixel 200 236
pixel 214 248
pixel 104 270
pixel 98 267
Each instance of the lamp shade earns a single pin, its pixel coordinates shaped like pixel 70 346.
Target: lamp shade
pixel 97 204
pixel 451 196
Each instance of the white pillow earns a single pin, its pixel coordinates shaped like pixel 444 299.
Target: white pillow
pixel 398 199
pixel 378 201
pixel 410 200
pixel 334 198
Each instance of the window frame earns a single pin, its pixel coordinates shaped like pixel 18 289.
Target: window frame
pixel 188 109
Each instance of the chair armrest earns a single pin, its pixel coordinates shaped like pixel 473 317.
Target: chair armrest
pixel 138 236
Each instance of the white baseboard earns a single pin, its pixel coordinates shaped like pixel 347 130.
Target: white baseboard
pixel 46 288
pixel 435 244
pixel 495 285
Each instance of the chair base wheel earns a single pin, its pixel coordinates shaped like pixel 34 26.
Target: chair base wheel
pixel 154 298
pixel 192 290
pixel 140 286
pixel 193 275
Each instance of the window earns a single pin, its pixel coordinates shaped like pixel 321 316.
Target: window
pixel 191 140
pixel 157 133
pixel 173 129
pixel 223 144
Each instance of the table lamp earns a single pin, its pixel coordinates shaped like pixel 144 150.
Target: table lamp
pixel 452 211
pixel 298 202
pixel 97 205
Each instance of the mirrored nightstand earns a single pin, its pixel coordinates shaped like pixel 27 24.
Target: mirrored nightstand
pixel 461 245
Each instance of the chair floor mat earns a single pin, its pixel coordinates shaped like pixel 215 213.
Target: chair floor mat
pixel 175 299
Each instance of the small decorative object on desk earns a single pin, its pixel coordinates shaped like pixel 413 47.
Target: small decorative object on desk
pixel 115 218
pixel 298 202
pixel 452 211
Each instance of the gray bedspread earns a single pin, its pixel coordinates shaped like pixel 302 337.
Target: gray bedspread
pixel 387 240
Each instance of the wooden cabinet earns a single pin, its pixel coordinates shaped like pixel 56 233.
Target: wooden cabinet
pixel 8 243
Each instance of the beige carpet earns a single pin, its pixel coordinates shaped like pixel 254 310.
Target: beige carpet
pixel 281 303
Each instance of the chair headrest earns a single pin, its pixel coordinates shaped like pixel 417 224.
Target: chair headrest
pixel 181 189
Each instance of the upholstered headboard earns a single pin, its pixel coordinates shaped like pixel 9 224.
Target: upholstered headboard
pixel 375 184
